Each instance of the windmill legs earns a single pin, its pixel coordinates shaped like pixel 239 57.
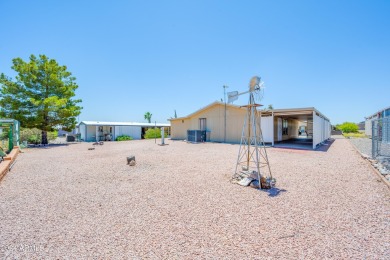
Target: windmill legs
pixel 252 160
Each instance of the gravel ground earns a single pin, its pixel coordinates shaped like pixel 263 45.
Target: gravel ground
pixel 178 203
pixel 382 163
pixel 364 145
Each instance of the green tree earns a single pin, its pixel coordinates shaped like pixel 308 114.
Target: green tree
pixel 348 127
pixel 148 116
pixel 42 96
pixel 152 133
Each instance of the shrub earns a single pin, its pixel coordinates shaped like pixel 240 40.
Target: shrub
pixel 153 133
pixel 124 138
pixel 34 135
pixel 4 134
pixel 355 135
pixel 348 127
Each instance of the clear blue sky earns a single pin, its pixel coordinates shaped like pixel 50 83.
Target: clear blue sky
pixel 130 57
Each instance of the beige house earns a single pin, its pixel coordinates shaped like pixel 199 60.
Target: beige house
pixel 300 127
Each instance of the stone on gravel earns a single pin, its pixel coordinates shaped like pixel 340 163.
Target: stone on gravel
pixel 130 158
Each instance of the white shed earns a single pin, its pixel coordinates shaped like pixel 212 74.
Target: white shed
pixel 90 131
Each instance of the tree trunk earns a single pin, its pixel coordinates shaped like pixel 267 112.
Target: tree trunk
pixel 44 138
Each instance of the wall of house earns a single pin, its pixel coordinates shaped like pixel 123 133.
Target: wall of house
pixel 215 124
pixel 293 126
pixel 82 131
pixel 132 131
pixel 179 129
pixel 267 129
pixel 91 133
pixel 321 129
pixel 368 129
pixel 234 122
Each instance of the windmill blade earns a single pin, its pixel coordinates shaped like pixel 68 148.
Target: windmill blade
pixel 261 84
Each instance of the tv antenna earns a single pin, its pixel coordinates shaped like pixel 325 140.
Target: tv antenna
pixel 252 165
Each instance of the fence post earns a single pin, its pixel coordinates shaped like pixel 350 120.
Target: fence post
pixel 373 139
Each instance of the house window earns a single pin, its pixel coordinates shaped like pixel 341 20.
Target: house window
pixel 202 124
pixel 285 127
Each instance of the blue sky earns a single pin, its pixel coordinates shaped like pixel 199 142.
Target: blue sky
pixel 130 57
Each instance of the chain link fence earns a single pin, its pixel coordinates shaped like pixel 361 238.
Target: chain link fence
pixel 381 137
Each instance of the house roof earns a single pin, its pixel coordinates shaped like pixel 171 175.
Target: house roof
pixel 216 103
pixel 107 123
pixel 279 112
pixel 375 114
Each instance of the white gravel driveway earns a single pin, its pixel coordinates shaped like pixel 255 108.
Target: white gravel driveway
pixel 178 203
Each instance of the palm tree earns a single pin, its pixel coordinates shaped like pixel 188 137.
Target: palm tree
pixel 148 116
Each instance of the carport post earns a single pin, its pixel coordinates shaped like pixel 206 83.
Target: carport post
pixel 314 144
pixel 97 133
pixel 273 129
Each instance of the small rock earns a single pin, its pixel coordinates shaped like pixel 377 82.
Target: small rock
pixel 130 158
pixel 132 163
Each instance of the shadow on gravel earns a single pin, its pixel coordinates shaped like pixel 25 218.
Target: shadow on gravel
pixel 325 146
pixel 49 146
pixel 273 192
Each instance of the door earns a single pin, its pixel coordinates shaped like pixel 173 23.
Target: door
pixel 280 129
pixel 202 124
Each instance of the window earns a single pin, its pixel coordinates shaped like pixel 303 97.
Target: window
pixel 285 127
pixel 202 124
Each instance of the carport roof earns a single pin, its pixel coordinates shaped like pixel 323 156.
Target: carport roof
pixel 107 123
pixel 295 112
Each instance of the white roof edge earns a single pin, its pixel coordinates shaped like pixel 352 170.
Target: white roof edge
pixel 108 123
pixel 300 109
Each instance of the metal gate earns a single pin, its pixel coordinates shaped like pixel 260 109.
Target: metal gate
pixel 381 137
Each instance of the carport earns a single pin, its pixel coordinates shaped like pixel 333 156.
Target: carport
pixel 299 128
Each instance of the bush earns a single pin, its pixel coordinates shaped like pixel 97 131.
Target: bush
pixel 152 133
pixel 4 134
pixel 34 135
pixel 124 138
pixel 348 127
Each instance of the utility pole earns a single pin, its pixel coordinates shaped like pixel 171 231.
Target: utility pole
pixel 224 98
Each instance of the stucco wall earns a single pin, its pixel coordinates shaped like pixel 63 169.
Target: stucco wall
pixel 179 129
pixel 214 124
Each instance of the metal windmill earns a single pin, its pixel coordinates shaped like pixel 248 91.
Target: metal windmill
pixel 252 165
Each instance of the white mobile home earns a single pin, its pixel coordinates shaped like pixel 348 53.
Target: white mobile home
pixel 298 127
pixel 90 131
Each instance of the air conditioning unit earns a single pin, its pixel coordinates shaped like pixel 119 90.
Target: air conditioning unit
pixel 196 136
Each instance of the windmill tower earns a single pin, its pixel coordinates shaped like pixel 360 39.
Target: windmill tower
pixel 252 162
